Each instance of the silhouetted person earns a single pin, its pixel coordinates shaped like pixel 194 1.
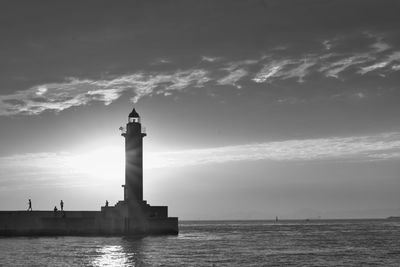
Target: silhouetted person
pixel 30 205
pixel 62 205
pixel 55 209
pixel 106 203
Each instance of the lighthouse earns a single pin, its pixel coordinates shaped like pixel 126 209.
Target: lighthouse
pixel 134 213
pixel 134 134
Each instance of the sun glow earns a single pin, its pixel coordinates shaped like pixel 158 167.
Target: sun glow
pixel 104 164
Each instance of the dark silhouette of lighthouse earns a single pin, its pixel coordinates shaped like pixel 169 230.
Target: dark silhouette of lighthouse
pixel 134 214
pixel 133 192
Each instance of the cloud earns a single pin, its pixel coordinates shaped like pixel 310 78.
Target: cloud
pixel 161 61
pixel 104 165
pixel 394 57
pixel 329 62
pixel 270 70
pixel 35 170
pixel 78 92
pixel 333 69
pixel 373 67
pixel 396 67
pixel 337 60
pixel 233 65
pixel 233 77
pixel 300 71
pixel 236 70
pixel 182 79
pixel 286 69
pixel 367 148
pixel 59 96
pixel 380 46
pixel 210 59
pixel 327 44
pixel 165 83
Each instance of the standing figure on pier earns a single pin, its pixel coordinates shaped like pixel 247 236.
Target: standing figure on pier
pixel 30 205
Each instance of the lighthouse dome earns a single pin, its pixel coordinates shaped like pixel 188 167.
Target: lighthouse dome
pixel 133 114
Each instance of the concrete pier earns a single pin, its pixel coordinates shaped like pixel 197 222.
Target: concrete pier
pixel 81 223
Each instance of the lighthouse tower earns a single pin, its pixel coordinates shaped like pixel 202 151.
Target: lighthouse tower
pixel 133 214
pixel 133 191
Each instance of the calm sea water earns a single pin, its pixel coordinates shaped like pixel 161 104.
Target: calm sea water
pixel 223 243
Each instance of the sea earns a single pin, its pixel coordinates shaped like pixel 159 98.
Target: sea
pixel 221 243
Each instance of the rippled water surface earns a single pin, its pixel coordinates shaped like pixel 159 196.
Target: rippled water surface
pixel 223 243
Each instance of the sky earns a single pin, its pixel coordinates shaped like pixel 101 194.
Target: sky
pixel 253 109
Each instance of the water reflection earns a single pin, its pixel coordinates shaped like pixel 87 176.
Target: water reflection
pixel 111 256
pixel 124 252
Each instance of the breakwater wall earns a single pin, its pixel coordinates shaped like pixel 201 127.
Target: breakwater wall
pixel 90 223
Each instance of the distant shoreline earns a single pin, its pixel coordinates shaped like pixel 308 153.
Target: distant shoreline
pixel 294 220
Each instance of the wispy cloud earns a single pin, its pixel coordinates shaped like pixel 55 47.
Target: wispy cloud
pixel 210 59
pixel 60 96
pixel 395 57
pixel 339 62
pixel 270 70
pixel 78 92
pixel 374 55
pixel 301 70
pixel 396 67
pixel 373 67
pixel 333 69
pixel 379 44
pixel 233 77
pixel 327 44
pixel 286 69
pixel 329 62
pixel 105 165
pixel 367 148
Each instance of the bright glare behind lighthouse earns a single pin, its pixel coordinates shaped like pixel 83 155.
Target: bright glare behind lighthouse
pixel 105 164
